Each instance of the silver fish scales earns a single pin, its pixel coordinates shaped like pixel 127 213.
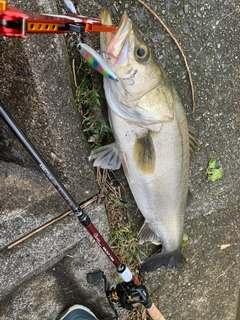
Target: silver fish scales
pixel 151 140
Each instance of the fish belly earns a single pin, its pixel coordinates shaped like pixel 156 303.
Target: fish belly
pixel 160 195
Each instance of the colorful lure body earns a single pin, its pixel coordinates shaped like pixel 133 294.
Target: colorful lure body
pixel 70 6
pixel 96 61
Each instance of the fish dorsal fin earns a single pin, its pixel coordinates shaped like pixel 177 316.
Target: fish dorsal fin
pixel 144 154
pixel 192 142
pixel 147 235
pixel 106 157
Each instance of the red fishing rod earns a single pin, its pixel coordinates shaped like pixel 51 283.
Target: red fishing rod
pixel 128 293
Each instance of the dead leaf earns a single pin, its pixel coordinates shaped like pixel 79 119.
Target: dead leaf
pixel 224 246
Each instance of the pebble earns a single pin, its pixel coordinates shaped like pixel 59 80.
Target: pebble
pixel 199 14
pixel 114 11
pixel 158 37
pixel 168 5
pixel 141 14
pixel 186 28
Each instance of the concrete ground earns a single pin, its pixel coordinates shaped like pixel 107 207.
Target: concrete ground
pixel 47 273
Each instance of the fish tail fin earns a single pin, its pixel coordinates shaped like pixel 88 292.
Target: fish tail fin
pixel 170 260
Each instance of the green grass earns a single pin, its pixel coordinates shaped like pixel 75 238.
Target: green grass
pixel 87 100
pixel 125 242
pixel 119 202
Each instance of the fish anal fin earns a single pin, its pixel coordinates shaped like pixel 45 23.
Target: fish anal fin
pixel 144 154
pixel 147 235
pixel 170 260
pixel 106 157
pixel 189 197
pixel 192 142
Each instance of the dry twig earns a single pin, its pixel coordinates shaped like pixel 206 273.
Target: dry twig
pixel 74 73
pixel 30 234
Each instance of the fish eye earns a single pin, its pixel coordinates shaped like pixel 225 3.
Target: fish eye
pixel 141 52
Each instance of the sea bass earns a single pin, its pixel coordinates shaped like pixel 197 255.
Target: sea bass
pixel 151 139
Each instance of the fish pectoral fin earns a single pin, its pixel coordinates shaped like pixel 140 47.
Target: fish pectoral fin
pixel 144 154
pixel 147 235
pixel 106 157
pixel 192 142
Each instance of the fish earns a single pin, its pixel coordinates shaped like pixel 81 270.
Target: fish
pixel 152 140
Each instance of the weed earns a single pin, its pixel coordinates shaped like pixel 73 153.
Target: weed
pixel 125 242
pixel 86 94
pixel 87 100
pixel 120 203
pixel 185 240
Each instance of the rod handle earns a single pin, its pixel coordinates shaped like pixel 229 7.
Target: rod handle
pixel 154 313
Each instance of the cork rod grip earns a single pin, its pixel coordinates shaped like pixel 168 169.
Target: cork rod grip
pixel 154 313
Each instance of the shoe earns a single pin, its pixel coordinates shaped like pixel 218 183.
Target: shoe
pixel 78 312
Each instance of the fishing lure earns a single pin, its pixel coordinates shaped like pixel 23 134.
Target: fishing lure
pixel 70 6
pixel 96 61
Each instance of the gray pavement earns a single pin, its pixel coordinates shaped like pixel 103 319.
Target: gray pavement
pixel 37 89
pixel 59 258
pixel 47 273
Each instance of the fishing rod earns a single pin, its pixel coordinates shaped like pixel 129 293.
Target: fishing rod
pixel 128 293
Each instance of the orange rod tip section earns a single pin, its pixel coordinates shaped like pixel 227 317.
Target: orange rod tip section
pixel 96 28
pixel 3 5
pixel 104 28
pixel 108 28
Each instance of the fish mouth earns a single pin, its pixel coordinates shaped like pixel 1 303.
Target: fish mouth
pixel 114 43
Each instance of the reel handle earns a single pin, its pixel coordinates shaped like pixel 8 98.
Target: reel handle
pixel 154 313
pixel 94 276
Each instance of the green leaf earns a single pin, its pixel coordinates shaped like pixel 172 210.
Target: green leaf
pixel 212 172
pixel 185 239
pixel 215 174
pixel 212 163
